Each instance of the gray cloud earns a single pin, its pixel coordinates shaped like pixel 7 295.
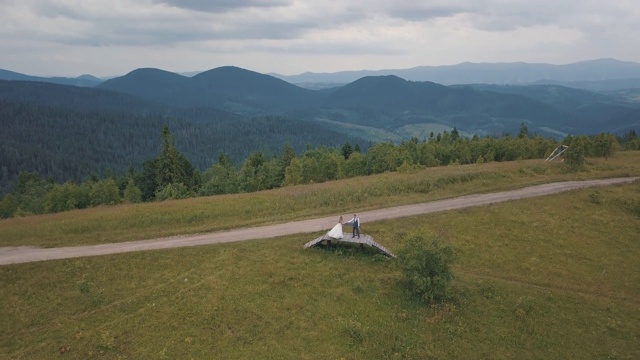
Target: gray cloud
pixel 368 33
pixel 221 5
pixel 151 26
pixel 417 12
pixel 333 48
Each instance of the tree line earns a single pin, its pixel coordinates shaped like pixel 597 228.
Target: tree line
pixel 170 175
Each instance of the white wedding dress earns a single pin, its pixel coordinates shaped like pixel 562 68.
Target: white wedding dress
pixel 336 232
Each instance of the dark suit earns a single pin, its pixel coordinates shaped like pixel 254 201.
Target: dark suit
pixel 356 226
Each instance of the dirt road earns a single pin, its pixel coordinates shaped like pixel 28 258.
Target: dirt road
pixel 23 254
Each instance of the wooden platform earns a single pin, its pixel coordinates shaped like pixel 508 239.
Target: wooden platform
pixel 364 239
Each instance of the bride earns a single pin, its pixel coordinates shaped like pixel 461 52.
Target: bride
pixel 336 232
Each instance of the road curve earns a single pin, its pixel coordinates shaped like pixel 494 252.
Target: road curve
pixel 24 254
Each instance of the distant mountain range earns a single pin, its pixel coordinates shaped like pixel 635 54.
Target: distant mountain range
pixel 389 106
pixel 587 73
pixel 596 75
pixel 402 104
pixel 83 80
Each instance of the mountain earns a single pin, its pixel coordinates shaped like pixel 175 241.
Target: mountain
pixel 147 83
pixel 83 80
pixel 228 88
pixel 597 85
pixel 596 75
pixel 392 103
pixel 232 85
pixel 388 103
pixel 488 73
pixel 588 106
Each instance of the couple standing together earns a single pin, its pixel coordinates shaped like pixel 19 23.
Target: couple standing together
pixel 336 232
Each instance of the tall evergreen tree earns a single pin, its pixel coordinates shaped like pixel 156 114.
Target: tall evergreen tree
pixel 523 133
pixel 168 163
pixel 172 167
pixel 455 135
pixel 346 150
pixel 251 177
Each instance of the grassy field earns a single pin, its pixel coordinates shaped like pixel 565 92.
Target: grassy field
pixel 554 277
pixel 207 214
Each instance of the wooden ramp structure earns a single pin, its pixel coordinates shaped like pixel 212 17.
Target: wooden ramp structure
pixel 364 239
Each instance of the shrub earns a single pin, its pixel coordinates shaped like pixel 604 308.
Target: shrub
pixel 132 194
pixel 105 192
pixel 425 264
pixel 173 191
pixel 575 156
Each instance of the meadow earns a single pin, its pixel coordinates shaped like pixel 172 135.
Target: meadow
pixel 553 277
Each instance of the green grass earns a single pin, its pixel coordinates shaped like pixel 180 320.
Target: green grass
pixel 216 213
pixel 553 277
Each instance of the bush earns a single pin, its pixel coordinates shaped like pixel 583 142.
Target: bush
pixel 575 156
pixel 132 194
pixel 173 191
pixel 425 264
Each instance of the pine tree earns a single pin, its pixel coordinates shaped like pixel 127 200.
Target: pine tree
pixel 169 169
pixel 346 150
pixel 523 133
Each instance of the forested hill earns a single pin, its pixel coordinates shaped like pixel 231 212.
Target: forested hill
pixel 69 133
pixel 406 102
pixel 76 98
pixel 228 88
pixel 591 111
pixel 148 83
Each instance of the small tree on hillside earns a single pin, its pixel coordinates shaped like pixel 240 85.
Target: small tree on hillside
pixel 132 194
pixel 425 264
pixel 575 155
pixel 105 192
pixel 293 173
pixel 605 145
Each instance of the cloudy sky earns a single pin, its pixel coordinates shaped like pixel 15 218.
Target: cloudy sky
pixel 113 37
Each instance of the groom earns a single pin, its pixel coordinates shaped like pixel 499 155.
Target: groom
pixel 355 222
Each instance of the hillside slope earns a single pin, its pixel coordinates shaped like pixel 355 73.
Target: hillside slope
pixel 391 102
pixel 68 133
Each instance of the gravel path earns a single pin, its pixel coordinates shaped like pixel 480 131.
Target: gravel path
pixel 23 254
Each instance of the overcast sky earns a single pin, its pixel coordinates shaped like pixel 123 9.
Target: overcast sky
pixel 113 37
